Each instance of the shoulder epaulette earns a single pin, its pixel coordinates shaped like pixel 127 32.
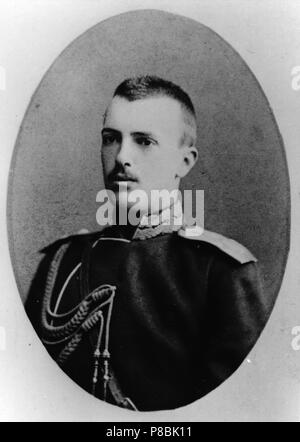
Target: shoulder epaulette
pixel 54 245
pixel 227 245
pixel 82 235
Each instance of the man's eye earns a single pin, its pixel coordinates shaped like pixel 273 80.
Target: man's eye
pixel 108 139
pixel 142 141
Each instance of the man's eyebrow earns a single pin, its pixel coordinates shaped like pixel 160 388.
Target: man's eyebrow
pixel 109 129
pixel 134 134
pixel 143 134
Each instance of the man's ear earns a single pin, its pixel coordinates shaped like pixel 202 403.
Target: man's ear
pixel 189 159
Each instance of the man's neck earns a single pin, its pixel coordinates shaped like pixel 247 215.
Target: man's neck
pixel 150 224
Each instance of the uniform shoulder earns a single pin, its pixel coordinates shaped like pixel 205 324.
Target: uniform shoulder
pixel 79 239
pixel 227 245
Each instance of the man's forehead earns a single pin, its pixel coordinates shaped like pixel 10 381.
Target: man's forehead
pixel 151 113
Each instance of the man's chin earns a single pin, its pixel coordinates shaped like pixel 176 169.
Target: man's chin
pixel 122 186
pixel 131 204
pixel 133 198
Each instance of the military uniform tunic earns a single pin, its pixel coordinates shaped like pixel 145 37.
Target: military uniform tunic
pixel 176 317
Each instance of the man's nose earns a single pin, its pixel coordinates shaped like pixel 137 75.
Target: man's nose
pixel 125 153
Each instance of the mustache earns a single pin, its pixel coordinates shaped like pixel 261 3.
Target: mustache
pixel 122 176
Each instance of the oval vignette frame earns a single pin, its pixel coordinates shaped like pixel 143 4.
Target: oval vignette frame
pixel 50 195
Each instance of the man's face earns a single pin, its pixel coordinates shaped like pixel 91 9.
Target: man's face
pixel 141 145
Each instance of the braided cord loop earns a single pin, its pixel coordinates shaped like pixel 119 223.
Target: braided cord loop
pixel 78 322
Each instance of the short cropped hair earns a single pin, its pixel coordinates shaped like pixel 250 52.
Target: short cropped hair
pixel 137 88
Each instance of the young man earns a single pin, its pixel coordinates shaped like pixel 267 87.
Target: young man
pixel 148 316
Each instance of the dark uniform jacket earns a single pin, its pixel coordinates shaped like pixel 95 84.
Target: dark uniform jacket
pixel 150 321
